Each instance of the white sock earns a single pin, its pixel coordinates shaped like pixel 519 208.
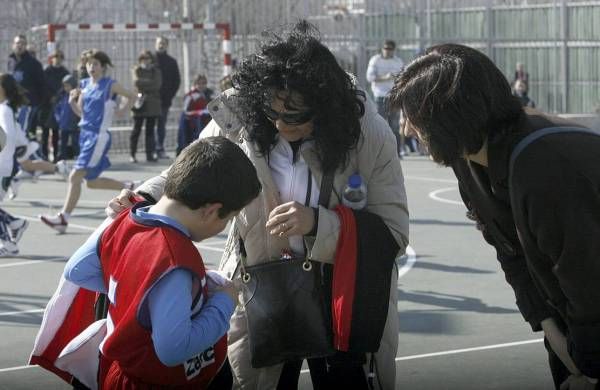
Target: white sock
pixel 66 215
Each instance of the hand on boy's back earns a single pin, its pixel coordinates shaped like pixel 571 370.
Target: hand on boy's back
pixel 120 203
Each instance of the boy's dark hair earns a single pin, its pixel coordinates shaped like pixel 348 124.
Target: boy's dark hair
pixel 213 170
pixel 296 61
pixel 457 98
pixel 389 43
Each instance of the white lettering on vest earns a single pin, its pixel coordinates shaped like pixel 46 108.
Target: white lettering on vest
pixel 194 365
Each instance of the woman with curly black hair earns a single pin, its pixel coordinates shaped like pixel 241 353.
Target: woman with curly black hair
pixel 300 118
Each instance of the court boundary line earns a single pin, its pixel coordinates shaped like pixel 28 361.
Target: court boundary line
pixel 398 359
pixel 434 195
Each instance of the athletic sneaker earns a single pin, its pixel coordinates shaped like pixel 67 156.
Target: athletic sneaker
pixel 160 154
pixel 8 248
pixel 23 175
pixel 26 175
pixel 13 189
pixel 16 229
pixel 57 222
pixel 63 169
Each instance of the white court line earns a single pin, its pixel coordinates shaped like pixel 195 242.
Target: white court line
pixel 433 179
pixel 16 368
pixel 434 195
pixel 464 350
pixel 398 359
pixel 16 313
pixel 32 262
pixel 58 201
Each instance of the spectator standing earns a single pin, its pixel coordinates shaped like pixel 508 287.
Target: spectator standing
pixel 195 115
pixel 67 121
pixel 521 74
pixel 147 79
pixel 380 73
pixel 53 75
pixel 30 75
pixel 171 81
pixel 520 91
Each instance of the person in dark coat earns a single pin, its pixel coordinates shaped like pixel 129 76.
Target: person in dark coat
pixel 53 75
pixel 544 220
pixel 30 75
pixel 147 80
pixel 520 90
pixel 171 81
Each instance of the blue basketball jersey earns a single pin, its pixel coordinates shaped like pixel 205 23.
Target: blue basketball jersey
pixel 97 106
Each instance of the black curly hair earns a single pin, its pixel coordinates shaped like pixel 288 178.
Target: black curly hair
pixel 296 61
pixel 15 94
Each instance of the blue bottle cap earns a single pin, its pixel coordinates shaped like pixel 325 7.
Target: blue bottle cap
pixel 354 181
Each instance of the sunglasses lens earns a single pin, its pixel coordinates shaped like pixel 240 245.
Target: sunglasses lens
pixel 290 119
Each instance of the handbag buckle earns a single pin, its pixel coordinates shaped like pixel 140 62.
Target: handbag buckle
pixel 307 265
pixel 246 277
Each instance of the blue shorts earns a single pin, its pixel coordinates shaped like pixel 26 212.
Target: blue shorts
pixel 93 154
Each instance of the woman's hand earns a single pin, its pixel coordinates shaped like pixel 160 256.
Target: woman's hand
pixel 120 203
pixel 290 219
pixel 578 382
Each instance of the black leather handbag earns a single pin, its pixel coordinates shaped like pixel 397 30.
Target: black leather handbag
pixel 287 310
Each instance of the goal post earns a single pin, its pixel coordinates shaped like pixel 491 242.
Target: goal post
pixel 213 56
pixel 199 48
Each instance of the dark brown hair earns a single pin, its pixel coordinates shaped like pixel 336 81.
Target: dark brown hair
pixel 213 170
pixel 455 97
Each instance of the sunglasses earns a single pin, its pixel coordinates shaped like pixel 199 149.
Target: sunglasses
pixel 288 118
pixel 388 48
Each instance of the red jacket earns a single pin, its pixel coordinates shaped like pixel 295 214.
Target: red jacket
pixel 129 359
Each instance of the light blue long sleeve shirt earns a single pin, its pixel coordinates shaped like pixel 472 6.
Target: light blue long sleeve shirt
pixel 177 336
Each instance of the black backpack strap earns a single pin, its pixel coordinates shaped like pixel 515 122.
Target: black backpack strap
pixel 539 134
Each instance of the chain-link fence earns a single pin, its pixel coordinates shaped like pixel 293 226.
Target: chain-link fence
pixel 557 41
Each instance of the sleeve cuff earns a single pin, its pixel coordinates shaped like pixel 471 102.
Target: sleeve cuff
pixel 584 348
pixel 533 308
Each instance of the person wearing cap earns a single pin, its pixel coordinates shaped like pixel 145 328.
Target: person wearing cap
pixel 67 120
pixel 380 73
pixel 53 76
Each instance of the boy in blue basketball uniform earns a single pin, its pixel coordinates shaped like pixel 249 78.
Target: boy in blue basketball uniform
pixel 95 104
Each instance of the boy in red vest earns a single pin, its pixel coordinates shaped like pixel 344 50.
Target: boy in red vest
pixel 168 318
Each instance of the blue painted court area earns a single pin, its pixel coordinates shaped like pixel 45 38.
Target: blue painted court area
pixel 459 326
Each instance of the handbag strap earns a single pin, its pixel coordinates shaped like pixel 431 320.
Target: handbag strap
pixel 324 196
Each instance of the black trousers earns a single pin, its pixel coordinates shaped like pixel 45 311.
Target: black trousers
pixel 341 371
pixel 559 371
pixel 149 136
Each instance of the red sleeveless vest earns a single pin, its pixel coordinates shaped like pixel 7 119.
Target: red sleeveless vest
pixel 134 256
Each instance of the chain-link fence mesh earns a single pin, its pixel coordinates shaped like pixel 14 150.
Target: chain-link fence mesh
pixel 557 41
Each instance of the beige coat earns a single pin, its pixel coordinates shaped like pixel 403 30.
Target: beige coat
pixel 376 160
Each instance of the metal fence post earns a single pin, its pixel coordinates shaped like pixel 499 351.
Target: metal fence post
pixel 564 54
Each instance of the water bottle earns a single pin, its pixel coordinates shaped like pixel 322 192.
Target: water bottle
pixel 355 193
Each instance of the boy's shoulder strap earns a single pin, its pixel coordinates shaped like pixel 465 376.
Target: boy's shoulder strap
pixel 529 139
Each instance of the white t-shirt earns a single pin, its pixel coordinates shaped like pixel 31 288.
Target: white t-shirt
pixel 378 67
pixel 9 125
pixel 291 179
